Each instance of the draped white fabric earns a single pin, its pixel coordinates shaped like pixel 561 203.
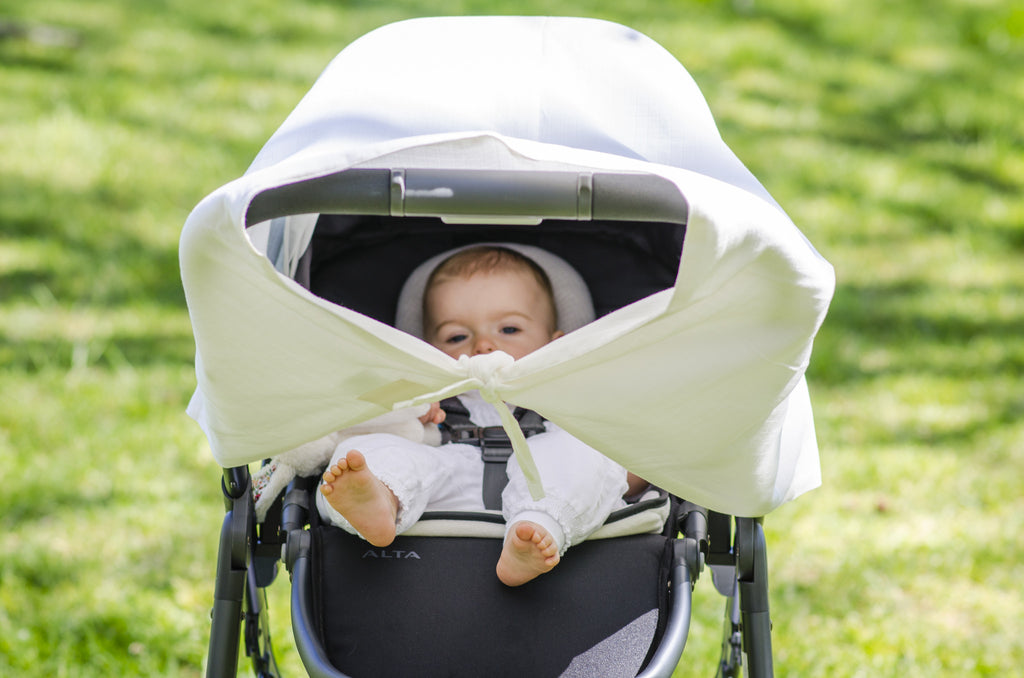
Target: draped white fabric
pixel 699 388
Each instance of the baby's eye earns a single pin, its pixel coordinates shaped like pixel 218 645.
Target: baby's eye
pixel 455 339
pixel 510 329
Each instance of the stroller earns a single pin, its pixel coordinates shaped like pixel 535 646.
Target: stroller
pixel 588 141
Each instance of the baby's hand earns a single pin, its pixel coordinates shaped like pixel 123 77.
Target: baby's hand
pixel 435 415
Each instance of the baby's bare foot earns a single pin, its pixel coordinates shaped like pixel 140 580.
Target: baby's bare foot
pixel 358 495
pixel 529 551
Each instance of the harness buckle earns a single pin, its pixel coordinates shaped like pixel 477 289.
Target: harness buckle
pixel 495 446
pixel 495 455
pixel 494 436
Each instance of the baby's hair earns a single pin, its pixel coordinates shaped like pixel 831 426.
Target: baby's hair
pixel 490 259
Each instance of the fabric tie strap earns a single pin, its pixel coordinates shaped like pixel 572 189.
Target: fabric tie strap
pixel 484 373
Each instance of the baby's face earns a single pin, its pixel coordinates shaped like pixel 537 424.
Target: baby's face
pixel 500 311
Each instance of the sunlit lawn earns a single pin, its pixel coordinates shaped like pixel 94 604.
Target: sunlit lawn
pixel 891 133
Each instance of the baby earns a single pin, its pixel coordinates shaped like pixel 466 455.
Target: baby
pixel 479 300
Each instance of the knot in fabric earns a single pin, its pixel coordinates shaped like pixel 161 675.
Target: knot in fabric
pixel 486 369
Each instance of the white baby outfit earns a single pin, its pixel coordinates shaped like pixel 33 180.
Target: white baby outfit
pixel 581 485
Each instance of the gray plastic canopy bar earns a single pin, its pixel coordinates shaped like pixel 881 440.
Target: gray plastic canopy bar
pixel 477 196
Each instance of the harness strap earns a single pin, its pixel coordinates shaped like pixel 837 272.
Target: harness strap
pixel 495 446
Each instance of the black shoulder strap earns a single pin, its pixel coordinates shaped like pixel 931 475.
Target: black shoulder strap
pixel 495 447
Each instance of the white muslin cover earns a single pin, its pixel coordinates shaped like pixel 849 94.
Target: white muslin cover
pixel 699 388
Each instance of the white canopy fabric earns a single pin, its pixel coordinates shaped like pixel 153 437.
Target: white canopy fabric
pixel 699 388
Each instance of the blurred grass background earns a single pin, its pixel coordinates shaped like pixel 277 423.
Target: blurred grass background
pixel 891 132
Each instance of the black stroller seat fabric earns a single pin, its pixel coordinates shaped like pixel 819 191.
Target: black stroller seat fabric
pixel 432 606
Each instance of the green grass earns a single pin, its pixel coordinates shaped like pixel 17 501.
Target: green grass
pixel 891 132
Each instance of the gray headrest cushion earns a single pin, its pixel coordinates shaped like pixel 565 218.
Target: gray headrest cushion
pixel 572 298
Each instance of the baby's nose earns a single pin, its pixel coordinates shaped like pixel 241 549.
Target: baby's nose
pixel 483 345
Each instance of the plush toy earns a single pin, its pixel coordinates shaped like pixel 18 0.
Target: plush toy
pixel 311 458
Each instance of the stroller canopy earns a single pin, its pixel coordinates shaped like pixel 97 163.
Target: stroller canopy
pixel 698 388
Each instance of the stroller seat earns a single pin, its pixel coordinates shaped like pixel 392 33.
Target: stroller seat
pixel 438 600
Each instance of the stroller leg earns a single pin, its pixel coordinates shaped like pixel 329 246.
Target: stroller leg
pixel 222 660
pixel 730 665
pixel 752 573
pixel 232 573
pixel 257 629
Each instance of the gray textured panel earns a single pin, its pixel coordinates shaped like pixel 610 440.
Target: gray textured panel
pixel 618 655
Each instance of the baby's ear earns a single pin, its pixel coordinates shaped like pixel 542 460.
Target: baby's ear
pixel 557 334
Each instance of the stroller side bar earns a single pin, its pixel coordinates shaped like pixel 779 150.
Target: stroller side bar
pixel 239 594
pixel 752 574
pixel 227 609
pixel 314 659
pixel 232 572
pixel 667 656
pixel 298 543
pixel 479 196
pixel 739 562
